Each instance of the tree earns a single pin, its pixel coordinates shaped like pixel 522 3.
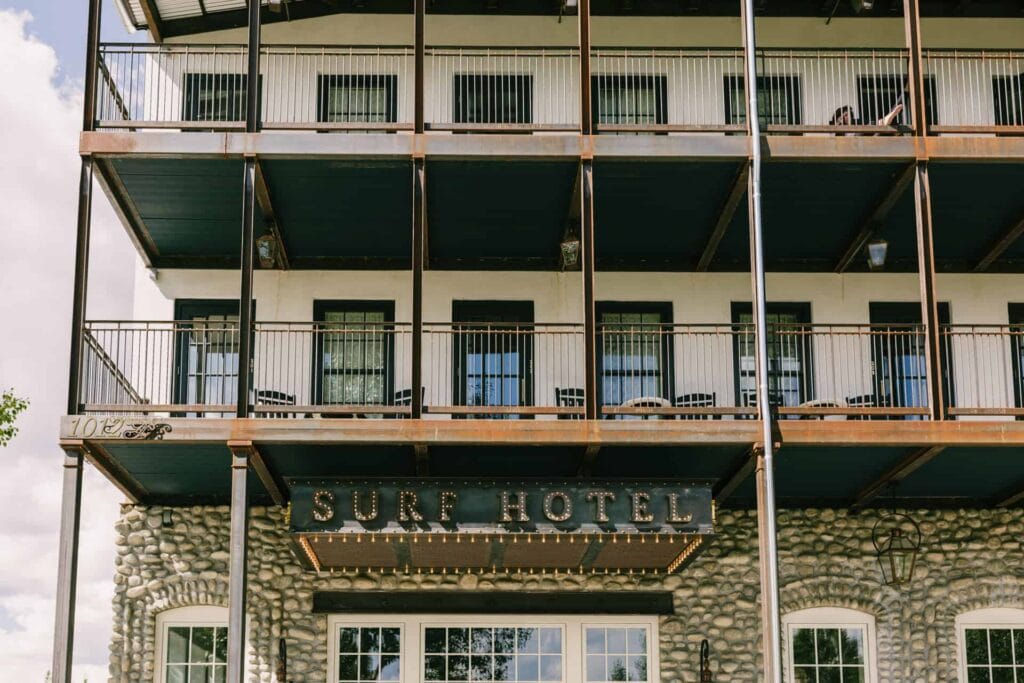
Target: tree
pixel 10 407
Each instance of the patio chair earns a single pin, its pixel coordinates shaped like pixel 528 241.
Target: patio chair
pixel 863 401
pixel 569 398
pixel 696 400
pixel 269 397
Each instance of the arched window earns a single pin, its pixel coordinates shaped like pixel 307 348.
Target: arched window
pixel 826 644
pixel 191 645
pixel 991 645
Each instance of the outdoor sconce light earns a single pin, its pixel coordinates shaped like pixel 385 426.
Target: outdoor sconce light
pixel 861 6
pixel 282 661
pixel 569 250
pixel 275 5
pixel 166 520
pixel 266 249
pixel 705 662
pixel 897 540
pixel 877 251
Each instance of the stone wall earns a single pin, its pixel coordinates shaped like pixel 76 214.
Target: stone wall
pixel 971 560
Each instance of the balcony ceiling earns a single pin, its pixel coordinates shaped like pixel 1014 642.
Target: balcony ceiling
pixel 186 473
pixel 186 17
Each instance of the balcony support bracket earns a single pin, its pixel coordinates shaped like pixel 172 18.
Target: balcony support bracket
pixel 725 214
pixel 911 461
pixel 270 216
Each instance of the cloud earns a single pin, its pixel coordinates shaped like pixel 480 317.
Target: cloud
pixel 39 174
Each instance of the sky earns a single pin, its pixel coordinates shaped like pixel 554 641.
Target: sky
pixel 41 56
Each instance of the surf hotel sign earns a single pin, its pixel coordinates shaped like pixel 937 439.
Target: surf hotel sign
pixel 519 526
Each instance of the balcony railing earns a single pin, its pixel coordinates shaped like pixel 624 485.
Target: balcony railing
pixel 985 373
pixel 495 89
pixel 536 370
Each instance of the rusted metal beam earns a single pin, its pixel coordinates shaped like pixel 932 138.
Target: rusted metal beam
pixel 586 465
pixel 419 59
pixel 115 473
pixel 80 286
pixel 1003 242
pixel 238 550
pixel 270 216
pixel 67 563
pixel 422 455
pixel 725 214
pixel 915 70
pixel 738 473
pixel 278 492
pixel 153 21
pixel 590 402
pixel 911 461
pixel 1009 497
pixel 586 115
pixel 929 298
pixel 419 211
pixel 245 298
pixel 124 207
pixel 876 217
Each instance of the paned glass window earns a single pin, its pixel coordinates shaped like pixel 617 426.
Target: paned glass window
pixel 488 653
pixel 994 655
pixel 629 99
pixel 828 654
pixel 369 653
pixel 635 354
pixel 778 101
pixel 616 653
pixel 358 98
pixel 196 654
pixel 355 353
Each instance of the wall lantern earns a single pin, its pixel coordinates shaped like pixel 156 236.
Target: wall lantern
pixel 166 518
pixel 266 250
pixel 275 5
pixel 897 540
pixel 705 662
pixel 861 6
pixel 569 250
pixel 282 661
pixel 877 251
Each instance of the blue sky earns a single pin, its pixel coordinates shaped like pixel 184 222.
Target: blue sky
pixel 62 23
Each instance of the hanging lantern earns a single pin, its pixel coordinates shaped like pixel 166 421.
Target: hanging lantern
pixel 705 662
pixel 877 251
pixel 569 250
pixel 897 540
pixel 266 250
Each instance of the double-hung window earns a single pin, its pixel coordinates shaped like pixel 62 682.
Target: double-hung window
pixel 354 352
pixel 192 645
pixel 634 352
pixel 357 98
pixel 789 354
pixel 515 648
pixel 829 645
pixel 778 100
pixel 628 99
pixel 991 646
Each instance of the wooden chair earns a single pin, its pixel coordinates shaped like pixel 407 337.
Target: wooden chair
pixel 696 400
pixel 569 398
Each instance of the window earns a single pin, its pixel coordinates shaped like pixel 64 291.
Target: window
pixel 192 645
pixel 877 95
pixel 991 645
pixel 215 97
pixel 206 352
pixel 617 653
pixel 354 352
pixel 898 355
pixel 493 98
pixel 829 645
pixel 357 98
pixel 789 354
pixel 1017 353
pixel 493 353
pixel 778 101
pixel 516 648
pixel 634 351
pixel 629 99
pixel 1008 100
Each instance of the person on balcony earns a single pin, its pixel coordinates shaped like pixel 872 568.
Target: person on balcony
pixel 844 116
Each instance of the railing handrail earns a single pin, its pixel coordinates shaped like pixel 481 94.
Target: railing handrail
pixel 111 366
pixel 975 52
pixel 330 46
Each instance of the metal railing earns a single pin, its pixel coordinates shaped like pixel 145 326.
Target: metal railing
pixel 492 370
pixel 983 370
pixel 337 87
pixel 171 86
pixel 664 90
pixel 332 369
pixel 501 89
pixel 976 91
pixel 830 91
pixel 187 368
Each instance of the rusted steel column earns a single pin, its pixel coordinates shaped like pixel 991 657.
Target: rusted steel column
pixel 767 534
pixel 67 565
pixel 245 305
pixel 238 565
pixel 923 215
pixel 92 59
pixel 591 400
pixel 252 93
pixel 586 114
pixel 419 18
pixel 81 285
pixel 419 210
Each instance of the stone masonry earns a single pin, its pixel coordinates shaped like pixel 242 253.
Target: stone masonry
pixel 971 560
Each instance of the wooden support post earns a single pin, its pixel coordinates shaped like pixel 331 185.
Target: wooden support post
pixel 237 565
pixel 419 211
pixel 67 564
pixel 590 398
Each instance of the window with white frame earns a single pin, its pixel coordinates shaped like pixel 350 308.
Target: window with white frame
pixel 829 645
pixel 991 645
pixel 526 649
pixel 192 645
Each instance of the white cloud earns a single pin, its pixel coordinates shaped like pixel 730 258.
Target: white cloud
pixel 39 171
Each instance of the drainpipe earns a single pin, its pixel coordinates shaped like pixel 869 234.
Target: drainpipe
pixel 763 452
